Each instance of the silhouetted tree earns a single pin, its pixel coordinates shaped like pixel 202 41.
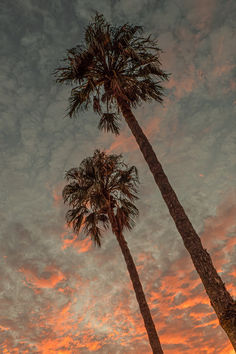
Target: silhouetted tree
pixel 100 194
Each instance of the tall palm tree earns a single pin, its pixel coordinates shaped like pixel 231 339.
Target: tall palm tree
pixel 114 70
pixel 100 193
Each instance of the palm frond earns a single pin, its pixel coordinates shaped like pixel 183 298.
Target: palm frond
pixel 72 174
pixel 75 217
pixel 126 182
pixel 125 214
pixel 130 208
pixel 92 229
pixel 104 220
pixel 109 122
pixel 151 69
pixel 75 195
pixel 80 98
pixel 79 61
pixel 97 105
pixel 122 35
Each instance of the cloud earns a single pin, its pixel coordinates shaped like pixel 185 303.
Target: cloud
pixel 59 293
pixel 48 279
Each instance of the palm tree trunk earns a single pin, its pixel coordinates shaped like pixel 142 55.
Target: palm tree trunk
pixel 222 302
pixel 144 309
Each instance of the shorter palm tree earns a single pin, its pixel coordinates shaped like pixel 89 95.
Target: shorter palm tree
pixel 100 194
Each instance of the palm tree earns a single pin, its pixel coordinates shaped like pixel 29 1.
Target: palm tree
pixel 100 193
pixel 114 70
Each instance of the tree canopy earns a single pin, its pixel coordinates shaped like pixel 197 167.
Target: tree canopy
pixel 100 182
pixel 112 62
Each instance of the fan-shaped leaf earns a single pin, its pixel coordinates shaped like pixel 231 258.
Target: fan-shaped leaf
pixel 109 122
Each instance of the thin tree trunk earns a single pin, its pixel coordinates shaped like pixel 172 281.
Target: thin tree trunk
pixel 222 302
pixel 144 309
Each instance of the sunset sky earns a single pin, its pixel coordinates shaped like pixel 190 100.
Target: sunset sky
pixel 61 295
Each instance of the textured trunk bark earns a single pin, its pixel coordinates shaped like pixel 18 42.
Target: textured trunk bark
pixel 222 302
pixel 144 309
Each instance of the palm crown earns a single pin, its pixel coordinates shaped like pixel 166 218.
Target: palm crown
pixel 102 183
pixel 114 62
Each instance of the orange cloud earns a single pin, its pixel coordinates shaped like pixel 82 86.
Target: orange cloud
pixel 181 311
pixel 123 143
pixel 49 279
pixel 219 226
pixel 127 143
pixel 81 246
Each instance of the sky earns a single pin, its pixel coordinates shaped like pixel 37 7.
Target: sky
pixel 62 295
